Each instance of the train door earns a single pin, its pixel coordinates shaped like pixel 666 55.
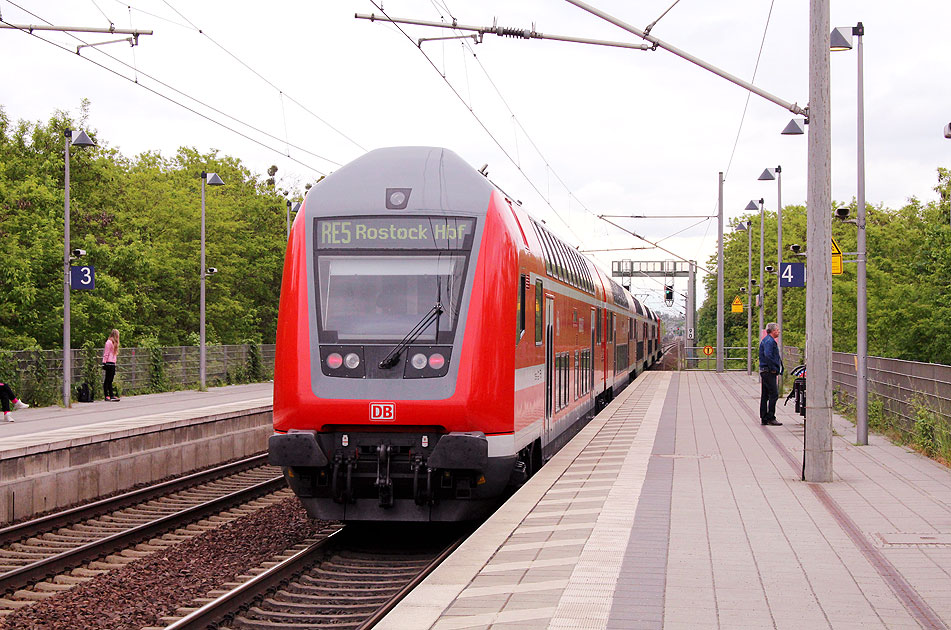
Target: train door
pixel 591 358
pixel 549 364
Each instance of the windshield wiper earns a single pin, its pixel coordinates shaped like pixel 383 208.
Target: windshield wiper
pixel 394 356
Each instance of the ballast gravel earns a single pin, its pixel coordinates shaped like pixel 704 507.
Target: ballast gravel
pixel 145 590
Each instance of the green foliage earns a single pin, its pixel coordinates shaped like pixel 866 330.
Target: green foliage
pixel 9 373
pixel 255 370
pixel 157 378
pixel 92 369
pixel 38 386
pixel 909 294
pixel 139 221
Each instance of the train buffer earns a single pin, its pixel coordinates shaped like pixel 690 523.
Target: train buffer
pixel 675 508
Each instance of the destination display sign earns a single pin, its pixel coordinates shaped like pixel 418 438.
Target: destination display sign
pixel 433 233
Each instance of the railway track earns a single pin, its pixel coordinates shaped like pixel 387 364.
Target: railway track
pixel 42 557
pixel 347 581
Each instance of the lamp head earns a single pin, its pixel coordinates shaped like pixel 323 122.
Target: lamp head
pixel 767 175
pixel 742 289
pixel 211 270
pixel 212 179
pixel 795 248
pixel 79 252
pixel 841 38
pixel 769 268
pixel 947 130
pixel 796 127
pixel 841 214
pixel 82 140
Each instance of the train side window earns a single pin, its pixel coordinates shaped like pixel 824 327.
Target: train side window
pixel 611 329
pixel 630 332
pixel 520 313
pixel 598 327
pixel 539 315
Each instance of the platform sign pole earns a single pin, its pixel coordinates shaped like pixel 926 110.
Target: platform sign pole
pixel 861 370
pixel 720 277
pixel 817 456
pixel 691 305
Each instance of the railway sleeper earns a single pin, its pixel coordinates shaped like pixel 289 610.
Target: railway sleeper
pixel 275 605
pixel 256 612
pixel 364 574
pixel 243 623
pixel 322 600
pixel 348 582
pixel 328 589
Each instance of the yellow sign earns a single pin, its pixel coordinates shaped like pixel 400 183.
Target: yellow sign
pixel 708 350
pixel 737 306
pixel 836 259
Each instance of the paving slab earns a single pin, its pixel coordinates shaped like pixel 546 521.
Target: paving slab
pixel 675 508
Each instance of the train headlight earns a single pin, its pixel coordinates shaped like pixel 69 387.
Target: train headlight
pixel 352 361
pixel 419 361
pixel 334 360
pixel 436 361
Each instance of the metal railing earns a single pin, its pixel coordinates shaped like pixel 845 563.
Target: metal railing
pixel 224 363
pixel 693 358
pixel 899 384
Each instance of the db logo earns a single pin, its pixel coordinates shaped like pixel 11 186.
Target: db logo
pixel 382 411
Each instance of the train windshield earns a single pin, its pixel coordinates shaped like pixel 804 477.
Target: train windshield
pixel 366 298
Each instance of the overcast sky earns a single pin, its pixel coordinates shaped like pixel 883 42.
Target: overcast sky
pixel 573 130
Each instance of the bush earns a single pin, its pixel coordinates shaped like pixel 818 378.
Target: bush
pixel 38 386
pixel 156 354
pixel 92 369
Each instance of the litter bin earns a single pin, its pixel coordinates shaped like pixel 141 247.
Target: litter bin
pixel 799 390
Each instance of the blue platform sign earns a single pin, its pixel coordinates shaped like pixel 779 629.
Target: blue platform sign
pixel 82 278
pixel 792 274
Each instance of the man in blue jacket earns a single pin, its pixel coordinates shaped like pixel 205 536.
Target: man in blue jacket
pixel 770 367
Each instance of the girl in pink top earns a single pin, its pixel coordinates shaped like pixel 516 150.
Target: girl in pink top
pixel 109 355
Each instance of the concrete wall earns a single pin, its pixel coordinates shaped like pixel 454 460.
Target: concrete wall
pixel 35 480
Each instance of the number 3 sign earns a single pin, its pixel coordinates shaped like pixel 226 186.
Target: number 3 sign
pixel 82 278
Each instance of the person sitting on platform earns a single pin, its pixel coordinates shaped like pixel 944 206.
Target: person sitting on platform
pixel 7 396
pixel 770 366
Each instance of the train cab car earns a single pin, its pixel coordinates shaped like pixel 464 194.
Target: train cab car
pixel 435 344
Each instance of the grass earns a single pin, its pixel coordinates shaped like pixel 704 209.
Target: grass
pixel 928 433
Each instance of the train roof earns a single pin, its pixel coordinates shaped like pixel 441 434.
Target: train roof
pixel 430 177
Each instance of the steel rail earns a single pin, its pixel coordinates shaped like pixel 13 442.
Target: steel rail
pixel 403 592
pixel 242 596
pixel 72 558
pixel 48 523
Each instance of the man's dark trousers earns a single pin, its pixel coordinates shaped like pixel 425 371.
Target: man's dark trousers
pixel 769 392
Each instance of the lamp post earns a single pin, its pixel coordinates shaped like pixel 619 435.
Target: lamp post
pixel 758 205
pixel 81 140
pixel 841 39
pixel 768 175
pixel 746 226
pixel 213 180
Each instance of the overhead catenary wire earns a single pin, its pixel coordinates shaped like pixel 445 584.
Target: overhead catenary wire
pixel 534 146
pixel 263 78
pixel 482 124
pixel 173 101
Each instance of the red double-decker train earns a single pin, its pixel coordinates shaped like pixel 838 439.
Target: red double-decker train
pixel 435 343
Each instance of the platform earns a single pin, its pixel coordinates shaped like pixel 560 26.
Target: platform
pixel 52 457
pixel 676 509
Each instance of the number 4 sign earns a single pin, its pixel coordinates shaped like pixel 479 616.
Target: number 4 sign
pixel 82 278
pixel 792 274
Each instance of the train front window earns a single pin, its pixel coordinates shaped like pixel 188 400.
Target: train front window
pixel 366 298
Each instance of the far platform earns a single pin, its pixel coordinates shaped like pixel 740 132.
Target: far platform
pixel 142 409
pixel 676 509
